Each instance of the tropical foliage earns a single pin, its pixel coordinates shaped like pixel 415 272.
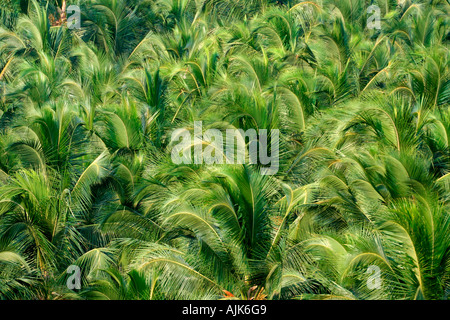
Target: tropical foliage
pixel 86 177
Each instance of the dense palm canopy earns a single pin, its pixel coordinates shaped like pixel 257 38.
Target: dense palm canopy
pixel 86 177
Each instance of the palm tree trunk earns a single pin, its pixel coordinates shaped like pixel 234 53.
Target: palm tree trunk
pixel 63 12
